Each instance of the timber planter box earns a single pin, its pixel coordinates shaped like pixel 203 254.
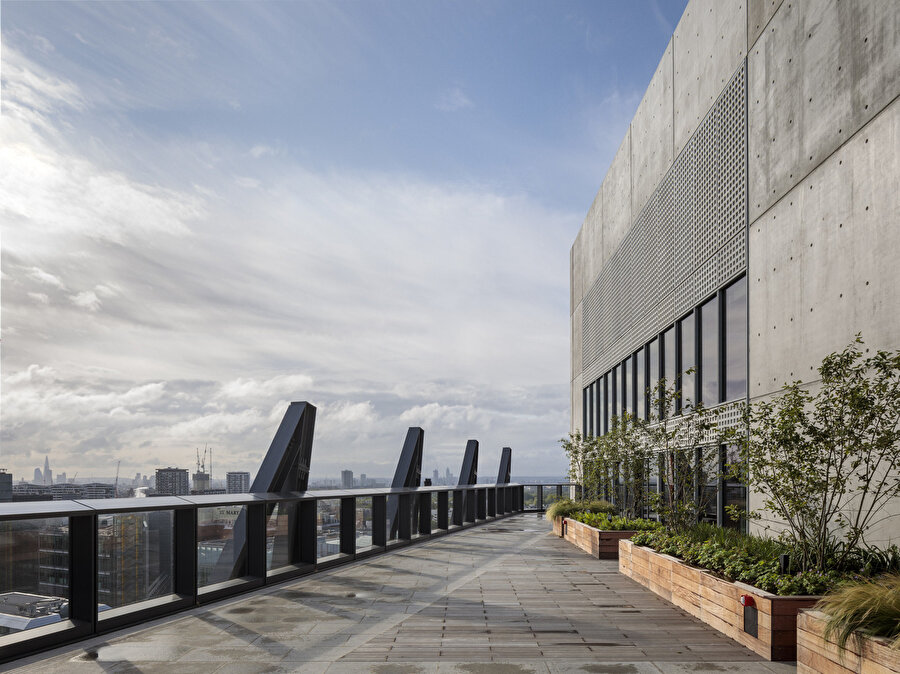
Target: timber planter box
pixel 861 654
pixel 766 625
pixel 596 542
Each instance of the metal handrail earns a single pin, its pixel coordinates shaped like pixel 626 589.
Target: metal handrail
pixel 471 505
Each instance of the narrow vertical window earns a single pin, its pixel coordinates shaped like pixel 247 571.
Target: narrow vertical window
pixel 601 406
pixel 709 352
pixel 640 388
pixel 688 361
pixel 614 395
pixel 670 366
pixel 653 374
pixel 736 340
pixel 627 374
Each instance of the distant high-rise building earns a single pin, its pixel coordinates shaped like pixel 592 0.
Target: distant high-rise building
pixel 237 482
pixel 362 480
pixel 5 486
pixel 38 476
pixel 62 478
pixel 98 490
pixel 435 477
pixel 346 479
pixel 172 481
pixel 201 481
pixel 48 474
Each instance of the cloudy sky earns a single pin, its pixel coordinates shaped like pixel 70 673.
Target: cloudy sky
pixel 208 210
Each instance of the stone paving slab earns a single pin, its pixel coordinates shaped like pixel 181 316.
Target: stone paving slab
pixel 507 597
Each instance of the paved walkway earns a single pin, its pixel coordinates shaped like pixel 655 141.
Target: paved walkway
pixel 505 597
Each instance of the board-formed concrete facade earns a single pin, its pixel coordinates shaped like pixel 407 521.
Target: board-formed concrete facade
pixel 763 158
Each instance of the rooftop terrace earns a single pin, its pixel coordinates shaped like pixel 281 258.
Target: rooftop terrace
pixel 505 596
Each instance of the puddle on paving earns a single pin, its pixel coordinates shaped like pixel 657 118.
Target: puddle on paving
pixel 610 669
pixel 493 668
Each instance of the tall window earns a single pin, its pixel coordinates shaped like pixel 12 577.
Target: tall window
pixel 605 408
pixel 670 366
pixel 687 356
pixel 640 386
pixel 614 394
pixel 653 371
pixel 709 352
pixel 736 340
pixel 600 407
pixel 627 383
pixel 590 424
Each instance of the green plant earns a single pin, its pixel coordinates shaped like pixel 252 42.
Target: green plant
pixel 871 607
pixel 599 506
pixel 826 462
pixel 685 439
pixel 562 508
pixel 579 450
pixel 606 522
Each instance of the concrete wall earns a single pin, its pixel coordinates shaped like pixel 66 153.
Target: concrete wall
pixel 823 175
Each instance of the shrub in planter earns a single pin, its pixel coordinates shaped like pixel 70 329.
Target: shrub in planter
pixel 606 522
pixel 568 508
pixel 871 607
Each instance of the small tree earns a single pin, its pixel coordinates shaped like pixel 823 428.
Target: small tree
pixel 685 445
pixel 579 450
pixel 627 457
pixel 826 463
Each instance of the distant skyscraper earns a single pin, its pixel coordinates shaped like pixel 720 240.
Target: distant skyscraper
pixel 38 476
pixel 237 482
pixel 172 481
pixel 362 480
pixel 62 478
pixel 48 474
pixel 5 486
pixel 346 479
pixel 436 477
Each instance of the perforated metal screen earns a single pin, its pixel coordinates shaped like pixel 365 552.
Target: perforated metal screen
pixel 688 241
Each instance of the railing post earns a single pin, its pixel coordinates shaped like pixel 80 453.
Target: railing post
pixel 256 540
pixel 403 515
pixel 470 505
pixel 540 498
pixel 481 501
pixel 185 556
pixel 348 525
pixel 443 510
pixel 458 507
pixel 379 520
pixel 83 570
pixel 491 502
pixel 425 513
pixel 308 521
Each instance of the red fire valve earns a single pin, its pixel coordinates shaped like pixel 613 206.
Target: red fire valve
pixel 747 600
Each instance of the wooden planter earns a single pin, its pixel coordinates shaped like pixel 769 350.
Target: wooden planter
pixel 717 602
pixel 596 542
pixel 861 654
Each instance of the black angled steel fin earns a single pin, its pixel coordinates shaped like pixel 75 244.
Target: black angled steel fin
pixel 408 472
pixel 284 468
pixel 468 474
pixel 505 466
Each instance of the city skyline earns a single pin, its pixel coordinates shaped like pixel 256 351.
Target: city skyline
pixel 368 207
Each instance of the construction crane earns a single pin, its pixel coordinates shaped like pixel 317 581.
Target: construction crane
pixel 116 486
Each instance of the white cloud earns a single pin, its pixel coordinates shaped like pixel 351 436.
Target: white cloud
pixel 39 297
pixel 243 389
pixel 86 300
pixel 452 100
pixel 45 277
pixel 258 151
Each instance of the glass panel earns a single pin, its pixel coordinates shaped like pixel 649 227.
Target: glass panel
pixel 434 511
pixel 627 386
pixel 735 492
pixel 640 385
pixel 550 495
pixel 653 374
pixel 217 555
pixel 688 345
pixel 709 473
pixel 363 522
pixel 600 403
pixel 134 560
pixel 531 497
pixel 736 340
pixel 414 516
pixel 584 410
pixel 328 528
pixel 278 539
pixel 450 509
pixel 34 573
pixel 670 367
pixel 709 351
pixel 605 407
pixel 615 395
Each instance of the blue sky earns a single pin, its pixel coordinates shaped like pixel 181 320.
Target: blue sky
pixel 210 209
